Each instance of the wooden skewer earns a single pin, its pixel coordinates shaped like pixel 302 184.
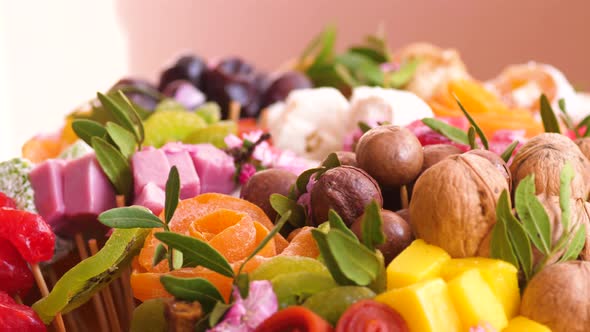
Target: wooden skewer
pixel 404 196
pixel 70 320
pixel 130 302
pixel 107 296
pixel 118 300
pixel 18 300
pixel 120 200
pixel 58 322
pixel 234 111
pixel 96 301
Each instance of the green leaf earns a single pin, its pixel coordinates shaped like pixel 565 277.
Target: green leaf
pixel 197 252
pixel 550 122
pixel 304 178
pixel 369 73
pixel 159 254
pixel 118 111
pixel 519 241
pixel 172 194
pixel 331 161
pixel 345 75
pixel 177 259
pixel 130 217
pixel 356 261
pixel 114 164
pixel 561 103
pixel 532 214
pixel 326 49
pixel 372 226
pixel 243 283
pixel 363 126
pixel 480 133
pixel 218 312
pixel 401 77
pixel 585 122
pixel 336 222
pixel 270 236
pixel 576 245
pixel 507 154
pixel 453 133
pixel 565 190
pixel 368 52
pixel 500 246
pixel 86 129
pixel 321 239
pixel 471 137
pixel 283 204
pixel 124 139
pixel 136 118
pixel 192 289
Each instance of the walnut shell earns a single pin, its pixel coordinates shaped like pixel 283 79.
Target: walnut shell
pixel 544 156
pixel 584 145
pixel 437 152
pixel 347 190
pixel 454 203
pixel 497 161
pixel 559 297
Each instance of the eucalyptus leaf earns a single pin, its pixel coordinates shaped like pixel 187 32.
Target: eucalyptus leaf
pixel 575 245
pixel 86 129
pixel 218 312
pixel 243 283
pixel 172 194
pixel 159 254
pixel 500 246
pixel 507 154
pixel 561 103
pixel 114 164
pixel 453 133
pixel 270 236
pixel 518 237
pixel 124 139
pixel 345 75
pixel 368 52
pixel 369 73
pixel 480 132
pixel 550 122
pixel 584 122
pixel 331 161
pixel 565 191
pixel 372 226
pixel 336 222
pixel 192 289
pixel 283 204
pixel 177 259
pixel 130 217
pixel 197 252
pixel 533 215
pixel 136 118
pixel 357 262
pixel 118 111
pixel 326 49
pixel 471 137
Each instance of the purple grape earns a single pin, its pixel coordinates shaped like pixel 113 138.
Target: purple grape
pixel 282 86
pixel 188 67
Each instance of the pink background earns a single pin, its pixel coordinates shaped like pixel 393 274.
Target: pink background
pixel 56 54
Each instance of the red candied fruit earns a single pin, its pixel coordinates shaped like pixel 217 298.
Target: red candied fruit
pixel 6 201
pixel 28 233
pixel 18 317
pixel 15 276
pixel 369 315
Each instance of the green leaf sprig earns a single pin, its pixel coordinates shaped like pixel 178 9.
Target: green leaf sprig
pixel 513 238
pixel 548 117
pixel 349 261
pixel 116 140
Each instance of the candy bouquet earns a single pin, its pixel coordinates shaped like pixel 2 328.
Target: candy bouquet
pixel 356 191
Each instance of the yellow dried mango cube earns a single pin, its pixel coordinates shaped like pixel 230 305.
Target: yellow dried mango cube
pixel 418 262
pixel 522 324
pixel 475 302
pixel 425 306
pixel 501 276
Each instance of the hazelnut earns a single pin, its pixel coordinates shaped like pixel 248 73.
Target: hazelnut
pixel 437 152
pixel 454 203
pixel 391 154
pixel 265 183
pixel 398 234
pixel 559 297
pixel 544 156
pixel 347 158
pixel 497 161
pixel 405 213
pixel 347 190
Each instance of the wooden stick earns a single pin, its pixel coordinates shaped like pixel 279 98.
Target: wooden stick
pixel 120 200
pixel 107 296
pixel 82 251
pixel 58 322
pixel 117 292
pixel 234 110
pixel 70 320
pixel 404 196
pixel 126 282
pixel 18 300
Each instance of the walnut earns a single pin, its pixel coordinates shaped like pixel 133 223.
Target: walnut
pixel 454 203
pixel 544 156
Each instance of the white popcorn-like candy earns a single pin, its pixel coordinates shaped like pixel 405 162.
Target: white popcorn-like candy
pixel 14 182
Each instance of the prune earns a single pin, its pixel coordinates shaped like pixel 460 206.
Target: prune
pixel 188 67
pixel 280 88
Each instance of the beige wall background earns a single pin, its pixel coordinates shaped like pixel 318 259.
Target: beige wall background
pixel 56 54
